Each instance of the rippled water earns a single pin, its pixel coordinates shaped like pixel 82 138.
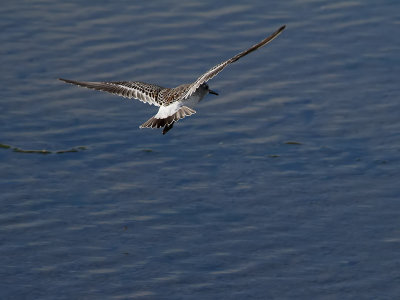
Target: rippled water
pixel 284 186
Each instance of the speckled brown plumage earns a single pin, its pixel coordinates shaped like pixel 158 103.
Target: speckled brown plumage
pixel 175 103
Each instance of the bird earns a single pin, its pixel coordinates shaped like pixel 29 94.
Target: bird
pixel 174 103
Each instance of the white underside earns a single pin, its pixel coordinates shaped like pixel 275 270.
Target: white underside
pixel 166 111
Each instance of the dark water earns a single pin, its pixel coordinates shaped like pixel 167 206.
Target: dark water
pixel 222 207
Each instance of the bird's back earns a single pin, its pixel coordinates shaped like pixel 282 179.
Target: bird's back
pixel 168 96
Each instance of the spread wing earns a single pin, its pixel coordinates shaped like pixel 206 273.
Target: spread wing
pixel 218 68
pixel 144 92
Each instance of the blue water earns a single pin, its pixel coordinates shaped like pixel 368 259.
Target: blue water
pixel 286 186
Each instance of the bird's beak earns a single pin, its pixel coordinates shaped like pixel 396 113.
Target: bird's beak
pixel 212 92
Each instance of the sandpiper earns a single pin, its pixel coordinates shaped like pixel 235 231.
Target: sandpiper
pixel 175 103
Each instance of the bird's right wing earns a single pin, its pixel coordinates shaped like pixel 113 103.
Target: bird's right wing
pixel 218 68
pixel 144 92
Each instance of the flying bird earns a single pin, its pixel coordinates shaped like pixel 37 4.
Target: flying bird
pixel 174 103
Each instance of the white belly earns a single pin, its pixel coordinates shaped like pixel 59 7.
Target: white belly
pixel 166 111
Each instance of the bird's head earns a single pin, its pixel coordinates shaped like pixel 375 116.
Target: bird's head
pixel 205 86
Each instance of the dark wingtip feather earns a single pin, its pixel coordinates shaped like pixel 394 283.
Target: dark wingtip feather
pixel 69 81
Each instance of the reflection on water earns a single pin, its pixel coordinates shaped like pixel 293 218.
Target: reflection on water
pixel 42 151
pixel 283 186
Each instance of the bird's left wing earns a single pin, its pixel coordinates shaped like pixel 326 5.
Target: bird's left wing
pixel 218 68
pixel 144 92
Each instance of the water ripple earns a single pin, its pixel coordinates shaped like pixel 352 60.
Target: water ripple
pixel 284 186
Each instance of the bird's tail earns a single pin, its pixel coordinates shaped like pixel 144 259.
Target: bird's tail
pixel 168 122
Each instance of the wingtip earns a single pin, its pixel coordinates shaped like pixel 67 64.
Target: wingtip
pixel 69 81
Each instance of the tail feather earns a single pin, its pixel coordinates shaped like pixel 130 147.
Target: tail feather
pixel 167 122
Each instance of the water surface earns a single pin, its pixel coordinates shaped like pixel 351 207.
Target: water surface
pixel 284 186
